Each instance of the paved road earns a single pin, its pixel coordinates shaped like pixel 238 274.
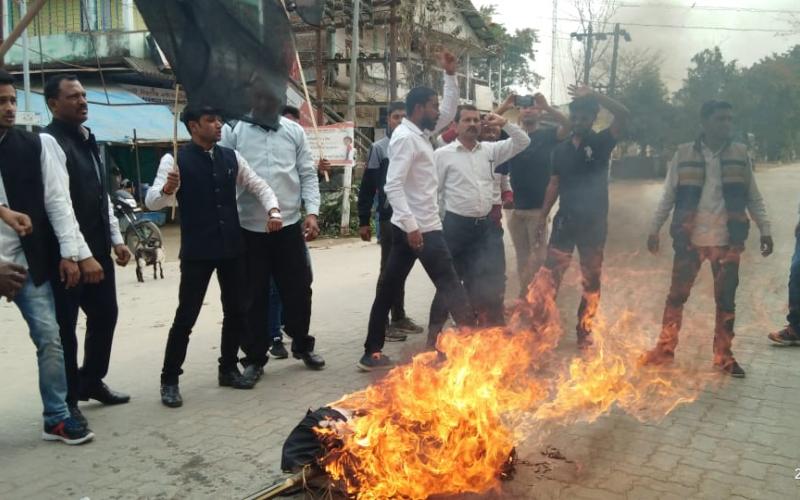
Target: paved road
pixel 739 440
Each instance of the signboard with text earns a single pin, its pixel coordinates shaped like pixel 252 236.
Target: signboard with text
pixel 334 142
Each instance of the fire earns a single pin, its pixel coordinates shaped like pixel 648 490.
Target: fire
pixel 445 424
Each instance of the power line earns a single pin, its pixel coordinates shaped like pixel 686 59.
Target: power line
pixel 686 27
pixel 717 8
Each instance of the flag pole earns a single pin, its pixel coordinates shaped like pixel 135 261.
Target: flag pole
pixel 307 96
pixel 175 143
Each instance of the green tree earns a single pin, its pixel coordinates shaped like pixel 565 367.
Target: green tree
pixel 652 116
pixel 515 51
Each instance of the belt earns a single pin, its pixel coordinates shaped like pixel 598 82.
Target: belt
pixel 472 220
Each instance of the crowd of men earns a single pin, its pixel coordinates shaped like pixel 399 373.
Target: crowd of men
pixel 249 199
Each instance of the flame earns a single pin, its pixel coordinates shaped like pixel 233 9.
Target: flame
pixel 446 423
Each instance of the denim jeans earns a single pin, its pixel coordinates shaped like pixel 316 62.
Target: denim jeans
pixel 38 308
pixel 794 288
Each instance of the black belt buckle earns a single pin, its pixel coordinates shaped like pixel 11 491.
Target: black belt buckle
pixel 480 220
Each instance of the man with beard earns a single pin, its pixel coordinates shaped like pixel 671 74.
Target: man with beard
pixel 469 188
pixel 580 179
pixel 35 213
pixel 711 186
pixel 97 295
pixel 211 240
pixel 372 184
pixel 412 190
pixel 530 174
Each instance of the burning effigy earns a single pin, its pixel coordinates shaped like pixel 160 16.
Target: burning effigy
pixel 448 421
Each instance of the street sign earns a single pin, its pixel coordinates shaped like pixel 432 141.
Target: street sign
pixel 29 118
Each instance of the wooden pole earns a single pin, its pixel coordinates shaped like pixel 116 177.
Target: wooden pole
pixel 175 142
pixel 20 27
pixel 320 78
pixel 393 52
pixel 138 167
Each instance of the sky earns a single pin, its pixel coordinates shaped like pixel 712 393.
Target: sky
pixel 745 30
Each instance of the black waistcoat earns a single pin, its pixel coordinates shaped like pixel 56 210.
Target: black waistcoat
pixel 207 199
pixel 87 190
pixel 21 169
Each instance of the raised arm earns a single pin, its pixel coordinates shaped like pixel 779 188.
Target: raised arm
pixel 516 143
pixel 449 104
pixel 616 108
pixel 162 193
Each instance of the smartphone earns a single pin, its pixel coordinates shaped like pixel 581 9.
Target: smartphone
pixel 524 101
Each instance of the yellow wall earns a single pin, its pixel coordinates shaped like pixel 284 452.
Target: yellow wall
pixel 64 16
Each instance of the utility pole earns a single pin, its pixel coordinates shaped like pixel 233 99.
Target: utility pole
pixel 587 61
pixel 590 36
pixel 553 52
pixel 351 114
pixel 393 52
pixel 320 79
pixel 612 83
pixel 26 62
pixel 354 50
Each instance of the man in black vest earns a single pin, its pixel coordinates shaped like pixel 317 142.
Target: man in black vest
pixel 97 295
pixel 211 239
pixel 36 219
pixel 711 186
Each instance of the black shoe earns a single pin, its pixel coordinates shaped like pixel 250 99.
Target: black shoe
pixel 253 373
pixel 407 325
pixel 232 378
pixel 67 431
pixel 76 415
pixel 101 392
pixel 732 368
pixel 171 395
pixel 278 350
pixel 311 359
pixel 373 362
pixel 394 335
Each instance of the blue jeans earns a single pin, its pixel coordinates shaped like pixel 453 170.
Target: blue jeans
pixel 38 308
pixel 794 288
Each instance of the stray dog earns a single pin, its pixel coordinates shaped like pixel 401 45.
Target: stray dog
pixel 149 256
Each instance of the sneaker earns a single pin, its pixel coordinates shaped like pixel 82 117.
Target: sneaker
pixel 733 369
pixel 786 337
pixel 253 373
pixel 407 325
pixel 68 431
pixel 393 335
pixel 278 350
pixel 375 361
pixel 77 415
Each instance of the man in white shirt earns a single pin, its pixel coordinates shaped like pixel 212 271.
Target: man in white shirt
pixel 211 240
pixel 412 191
pixel 282 157
pixel 35 211
pixel 711 185
pixel 469 188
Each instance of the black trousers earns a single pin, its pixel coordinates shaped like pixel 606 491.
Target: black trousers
pixel 99 303
pixel 588 235
pixel 438 263
pixel 479 260
pixel 195 276
pixel 280 256
pixel 387 240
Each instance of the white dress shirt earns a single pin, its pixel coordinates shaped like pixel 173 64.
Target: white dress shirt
pixel 58 205
pixel 468 184
pixel 711 221
pixel 247 180
pixel 411 181
pixel 282 158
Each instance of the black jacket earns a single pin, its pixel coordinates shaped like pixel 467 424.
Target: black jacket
pixel 87 181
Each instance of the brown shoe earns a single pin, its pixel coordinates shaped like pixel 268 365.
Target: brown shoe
pixel 786 337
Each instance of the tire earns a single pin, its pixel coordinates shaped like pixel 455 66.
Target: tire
pixel 150 232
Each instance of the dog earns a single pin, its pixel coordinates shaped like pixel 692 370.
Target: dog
pixel 149 256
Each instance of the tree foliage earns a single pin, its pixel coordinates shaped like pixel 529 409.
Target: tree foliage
pixel 515 51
